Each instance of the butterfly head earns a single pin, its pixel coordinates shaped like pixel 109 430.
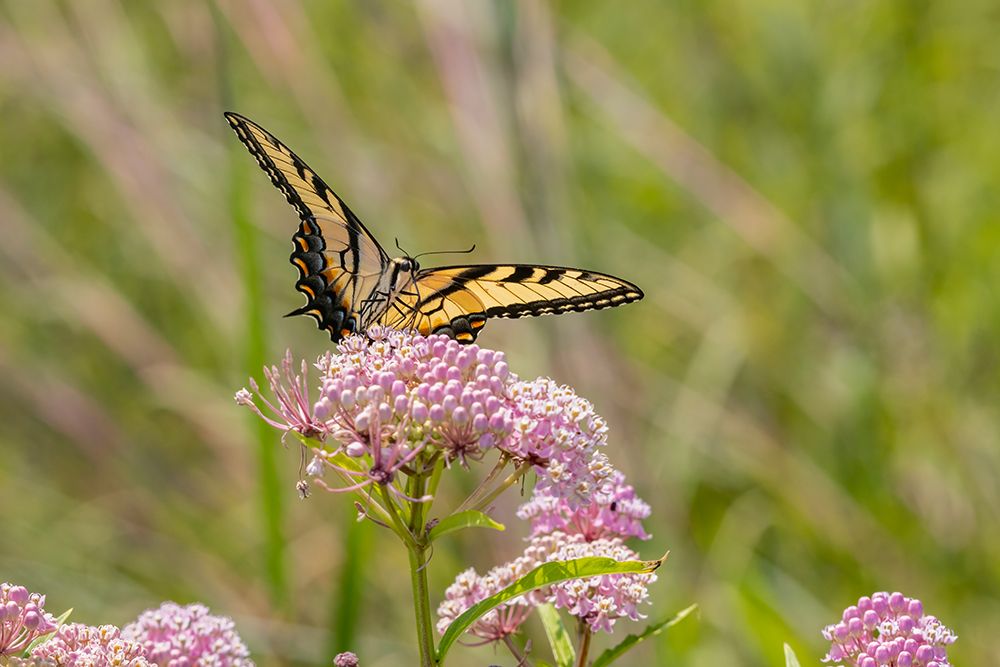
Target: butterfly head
pixel 403 272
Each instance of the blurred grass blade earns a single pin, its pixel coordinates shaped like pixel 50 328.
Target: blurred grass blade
pixel 543 575
pixel 632 641
pixel 271 499
pixel 348 596
pixel 466 519
pixel 559 642
pixel 790 659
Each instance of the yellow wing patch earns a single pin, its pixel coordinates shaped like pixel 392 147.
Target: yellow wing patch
pixel 457 300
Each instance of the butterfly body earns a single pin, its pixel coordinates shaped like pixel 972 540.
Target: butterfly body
pixel 351 283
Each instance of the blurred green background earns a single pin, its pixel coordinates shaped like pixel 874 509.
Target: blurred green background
pixel 807 396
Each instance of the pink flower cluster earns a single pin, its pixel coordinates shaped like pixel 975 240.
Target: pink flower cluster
pixel 180 636
pixel 171 636
pixel 614 511
pixel 78 645
pixel 470 588
pixel 888 630
pixel 563 529
pixel 561 431
pixel 22 618
pixel 387 396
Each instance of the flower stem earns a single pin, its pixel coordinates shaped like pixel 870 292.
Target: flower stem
pixel 497 469
pixel 584 648
pixel 418 572
pixel 503 486
pixel 522 659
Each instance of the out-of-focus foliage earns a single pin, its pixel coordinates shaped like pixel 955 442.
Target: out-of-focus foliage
pixel 807 397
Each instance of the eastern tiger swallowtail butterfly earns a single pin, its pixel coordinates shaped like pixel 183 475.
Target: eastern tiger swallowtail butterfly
pixel 351 283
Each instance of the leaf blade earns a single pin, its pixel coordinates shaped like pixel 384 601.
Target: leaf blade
pixel 632 641
pixel 790 659
pixel 555 631
pixel 460 520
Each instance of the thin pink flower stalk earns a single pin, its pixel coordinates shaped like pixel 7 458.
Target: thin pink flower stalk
pixel 78 645
pixel 614 511
pixel 387 397
pixel 180 636
pixel 888 630
pixel 292 410
pixel 22 618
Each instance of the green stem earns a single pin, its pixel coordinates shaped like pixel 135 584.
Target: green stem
pixel 418 573
pixel 503 486
pixel 584 648
pixel 397 522
pixel 497 469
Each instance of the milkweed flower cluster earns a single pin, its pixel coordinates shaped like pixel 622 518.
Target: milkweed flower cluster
pixel 597 601
pixel 888 630
pixel 387 396
pixel 470 588
pixel 179 636
pixel 22 618
pixel 563 529
pixel 78 645
pixel 614 511
pixel 345 659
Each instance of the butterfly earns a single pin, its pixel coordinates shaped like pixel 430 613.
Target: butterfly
pixel 351 282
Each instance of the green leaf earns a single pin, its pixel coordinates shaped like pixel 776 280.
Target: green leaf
pixel 466 519
pixel 790 659
pixel 562 647
pixel 543 575
pixel 631 641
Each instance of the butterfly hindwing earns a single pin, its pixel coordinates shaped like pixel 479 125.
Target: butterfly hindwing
pixel 338 260
pixel 457 300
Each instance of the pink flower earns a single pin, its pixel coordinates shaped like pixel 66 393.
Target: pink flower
pixel 614 511
pixel 78 645
pixel 598 601
pixel 888 630
pixel 389 396
pixel 346 659
pixel 291 410
pixel 178 636
pixel 560 433
pixel 469 588
pixel 22 618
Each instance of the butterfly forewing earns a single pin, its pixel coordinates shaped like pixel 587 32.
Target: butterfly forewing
pixel 338 259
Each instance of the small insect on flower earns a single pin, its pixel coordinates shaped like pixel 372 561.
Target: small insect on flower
pixel 888 630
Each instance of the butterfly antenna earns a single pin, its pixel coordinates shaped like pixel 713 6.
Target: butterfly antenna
pixel 447 252
pixel 405 254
